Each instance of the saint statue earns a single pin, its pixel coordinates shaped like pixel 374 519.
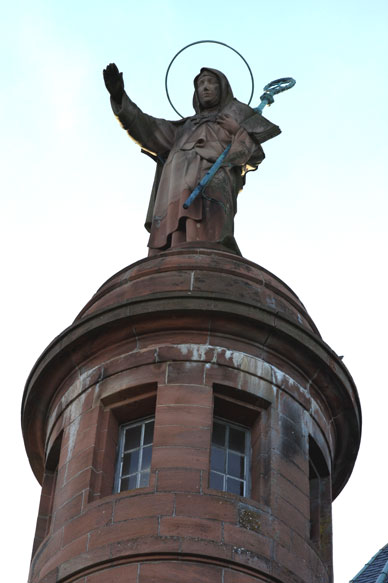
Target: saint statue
pixel 185 150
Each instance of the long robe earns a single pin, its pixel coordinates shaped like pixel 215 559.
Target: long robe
pixel 185 151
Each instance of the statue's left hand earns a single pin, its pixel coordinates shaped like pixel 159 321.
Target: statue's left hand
pixel 228 123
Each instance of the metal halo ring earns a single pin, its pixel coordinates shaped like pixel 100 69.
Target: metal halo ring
pixel 198 42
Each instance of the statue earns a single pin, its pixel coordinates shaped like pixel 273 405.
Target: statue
pixel 185 150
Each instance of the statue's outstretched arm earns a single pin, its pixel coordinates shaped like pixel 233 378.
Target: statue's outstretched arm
pixel 152 134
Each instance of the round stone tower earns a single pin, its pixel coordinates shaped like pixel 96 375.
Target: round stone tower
pixel 190 426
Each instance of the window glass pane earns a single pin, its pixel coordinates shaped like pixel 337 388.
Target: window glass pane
pixel 132 437
pixel 216 481
pixel 146 459
pixel 236 465
pixel 217 461
pixel 237 439
pixel 130 463
pixel 128 483
pixel 144 479
pixel 235 486
pixel 219 431
pixel 148 433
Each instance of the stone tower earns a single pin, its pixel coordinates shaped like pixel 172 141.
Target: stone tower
pixel 190 426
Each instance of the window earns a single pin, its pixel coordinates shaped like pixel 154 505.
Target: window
pixel 134 456
pixel 320 498
pixel 229 460
pixel 48 492
pixel 249 414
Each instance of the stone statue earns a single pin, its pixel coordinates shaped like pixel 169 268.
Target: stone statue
pixel 185 150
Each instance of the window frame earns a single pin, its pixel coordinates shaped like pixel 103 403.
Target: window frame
pixel 247 457
pixel 120 454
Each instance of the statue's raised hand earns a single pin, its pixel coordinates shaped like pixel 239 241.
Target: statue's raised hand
pixel 114 82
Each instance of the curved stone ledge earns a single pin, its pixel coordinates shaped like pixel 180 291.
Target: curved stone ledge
pixel 273 335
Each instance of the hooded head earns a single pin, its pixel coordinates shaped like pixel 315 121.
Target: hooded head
pixel 214 95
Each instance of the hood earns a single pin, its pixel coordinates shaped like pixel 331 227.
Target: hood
pixel 226 93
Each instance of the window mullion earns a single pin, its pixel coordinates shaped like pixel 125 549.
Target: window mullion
pixel 140 455
pixel 119 471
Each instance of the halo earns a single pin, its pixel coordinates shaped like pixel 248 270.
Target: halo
pixel 198 42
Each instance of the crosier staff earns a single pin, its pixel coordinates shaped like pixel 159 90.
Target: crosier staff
pixel 271 89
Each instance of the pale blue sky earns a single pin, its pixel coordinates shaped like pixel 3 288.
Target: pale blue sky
pixel 74 189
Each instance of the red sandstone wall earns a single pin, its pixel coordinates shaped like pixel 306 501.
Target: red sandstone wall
pixel 178 518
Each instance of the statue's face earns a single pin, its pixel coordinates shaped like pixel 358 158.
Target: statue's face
pixel 208 90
